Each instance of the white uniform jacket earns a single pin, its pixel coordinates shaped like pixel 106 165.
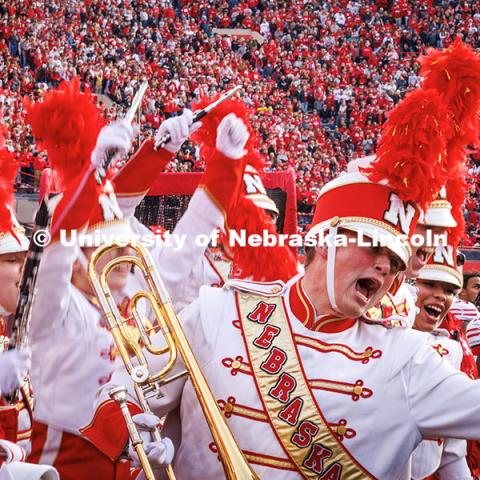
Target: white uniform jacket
pixel 381 390
pixel 447 456
pixel 73 352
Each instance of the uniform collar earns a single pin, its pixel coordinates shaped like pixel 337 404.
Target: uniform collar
pixel 302 308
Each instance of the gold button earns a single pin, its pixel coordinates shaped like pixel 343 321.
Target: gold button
pixel 228 408
pixel 341 430
pixel 275 289
pixel 335 221
pixel 357 390
pixel 236 364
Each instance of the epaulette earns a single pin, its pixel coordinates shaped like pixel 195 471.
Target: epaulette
pixel 267 289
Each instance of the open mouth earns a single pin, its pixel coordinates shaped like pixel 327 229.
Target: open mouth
pixel 433 311
pixel 423 254
pixel 367 288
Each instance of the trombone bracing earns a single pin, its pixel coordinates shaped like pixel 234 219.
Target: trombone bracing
pixel 148 384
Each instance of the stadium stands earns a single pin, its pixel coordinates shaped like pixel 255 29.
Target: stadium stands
pixel 321 82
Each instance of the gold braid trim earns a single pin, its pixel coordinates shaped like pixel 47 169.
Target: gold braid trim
pixel 18 230
pixel 365 356
pixel 377 223
pixel 445 269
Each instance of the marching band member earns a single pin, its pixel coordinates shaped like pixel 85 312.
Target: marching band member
pixel 15 418
pixel 328 415
pixel 308 387
pixel 438 283
pixel 460 128
pixel 65 314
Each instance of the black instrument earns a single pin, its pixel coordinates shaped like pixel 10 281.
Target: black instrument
pixel 40 237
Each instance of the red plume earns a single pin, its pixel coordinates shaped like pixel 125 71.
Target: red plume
pixel 455 73
pixel 277 262
pixel 8 171
pixel 67 123
pixel 412 151
pixel 456 188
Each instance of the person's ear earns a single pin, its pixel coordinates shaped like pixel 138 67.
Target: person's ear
pixel 322 251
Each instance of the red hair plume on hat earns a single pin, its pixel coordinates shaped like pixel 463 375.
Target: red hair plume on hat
pixel 278 262
pixel 455 74
pixel 412 151
pixel 262 263
pixel 456 188
pixel 66 123
pixel 8 171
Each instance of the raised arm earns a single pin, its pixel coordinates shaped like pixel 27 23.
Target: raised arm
pixel 54 277
pixel 207 211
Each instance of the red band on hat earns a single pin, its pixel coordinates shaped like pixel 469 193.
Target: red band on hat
pixel 363 200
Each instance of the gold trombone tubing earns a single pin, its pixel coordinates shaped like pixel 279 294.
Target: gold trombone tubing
pixel 147 384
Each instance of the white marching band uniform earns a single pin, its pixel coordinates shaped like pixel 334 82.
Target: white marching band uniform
pixel 402 389
pixel 68 331
pixel 16 418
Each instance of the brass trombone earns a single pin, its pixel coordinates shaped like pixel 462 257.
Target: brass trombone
pixel 146 383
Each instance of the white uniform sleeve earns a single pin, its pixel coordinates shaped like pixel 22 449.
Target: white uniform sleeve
pixel 473 334
pixel 443 401
pixel 454 462
pixel 54 289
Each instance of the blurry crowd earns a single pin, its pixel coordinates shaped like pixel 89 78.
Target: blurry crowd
pixel 320 76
